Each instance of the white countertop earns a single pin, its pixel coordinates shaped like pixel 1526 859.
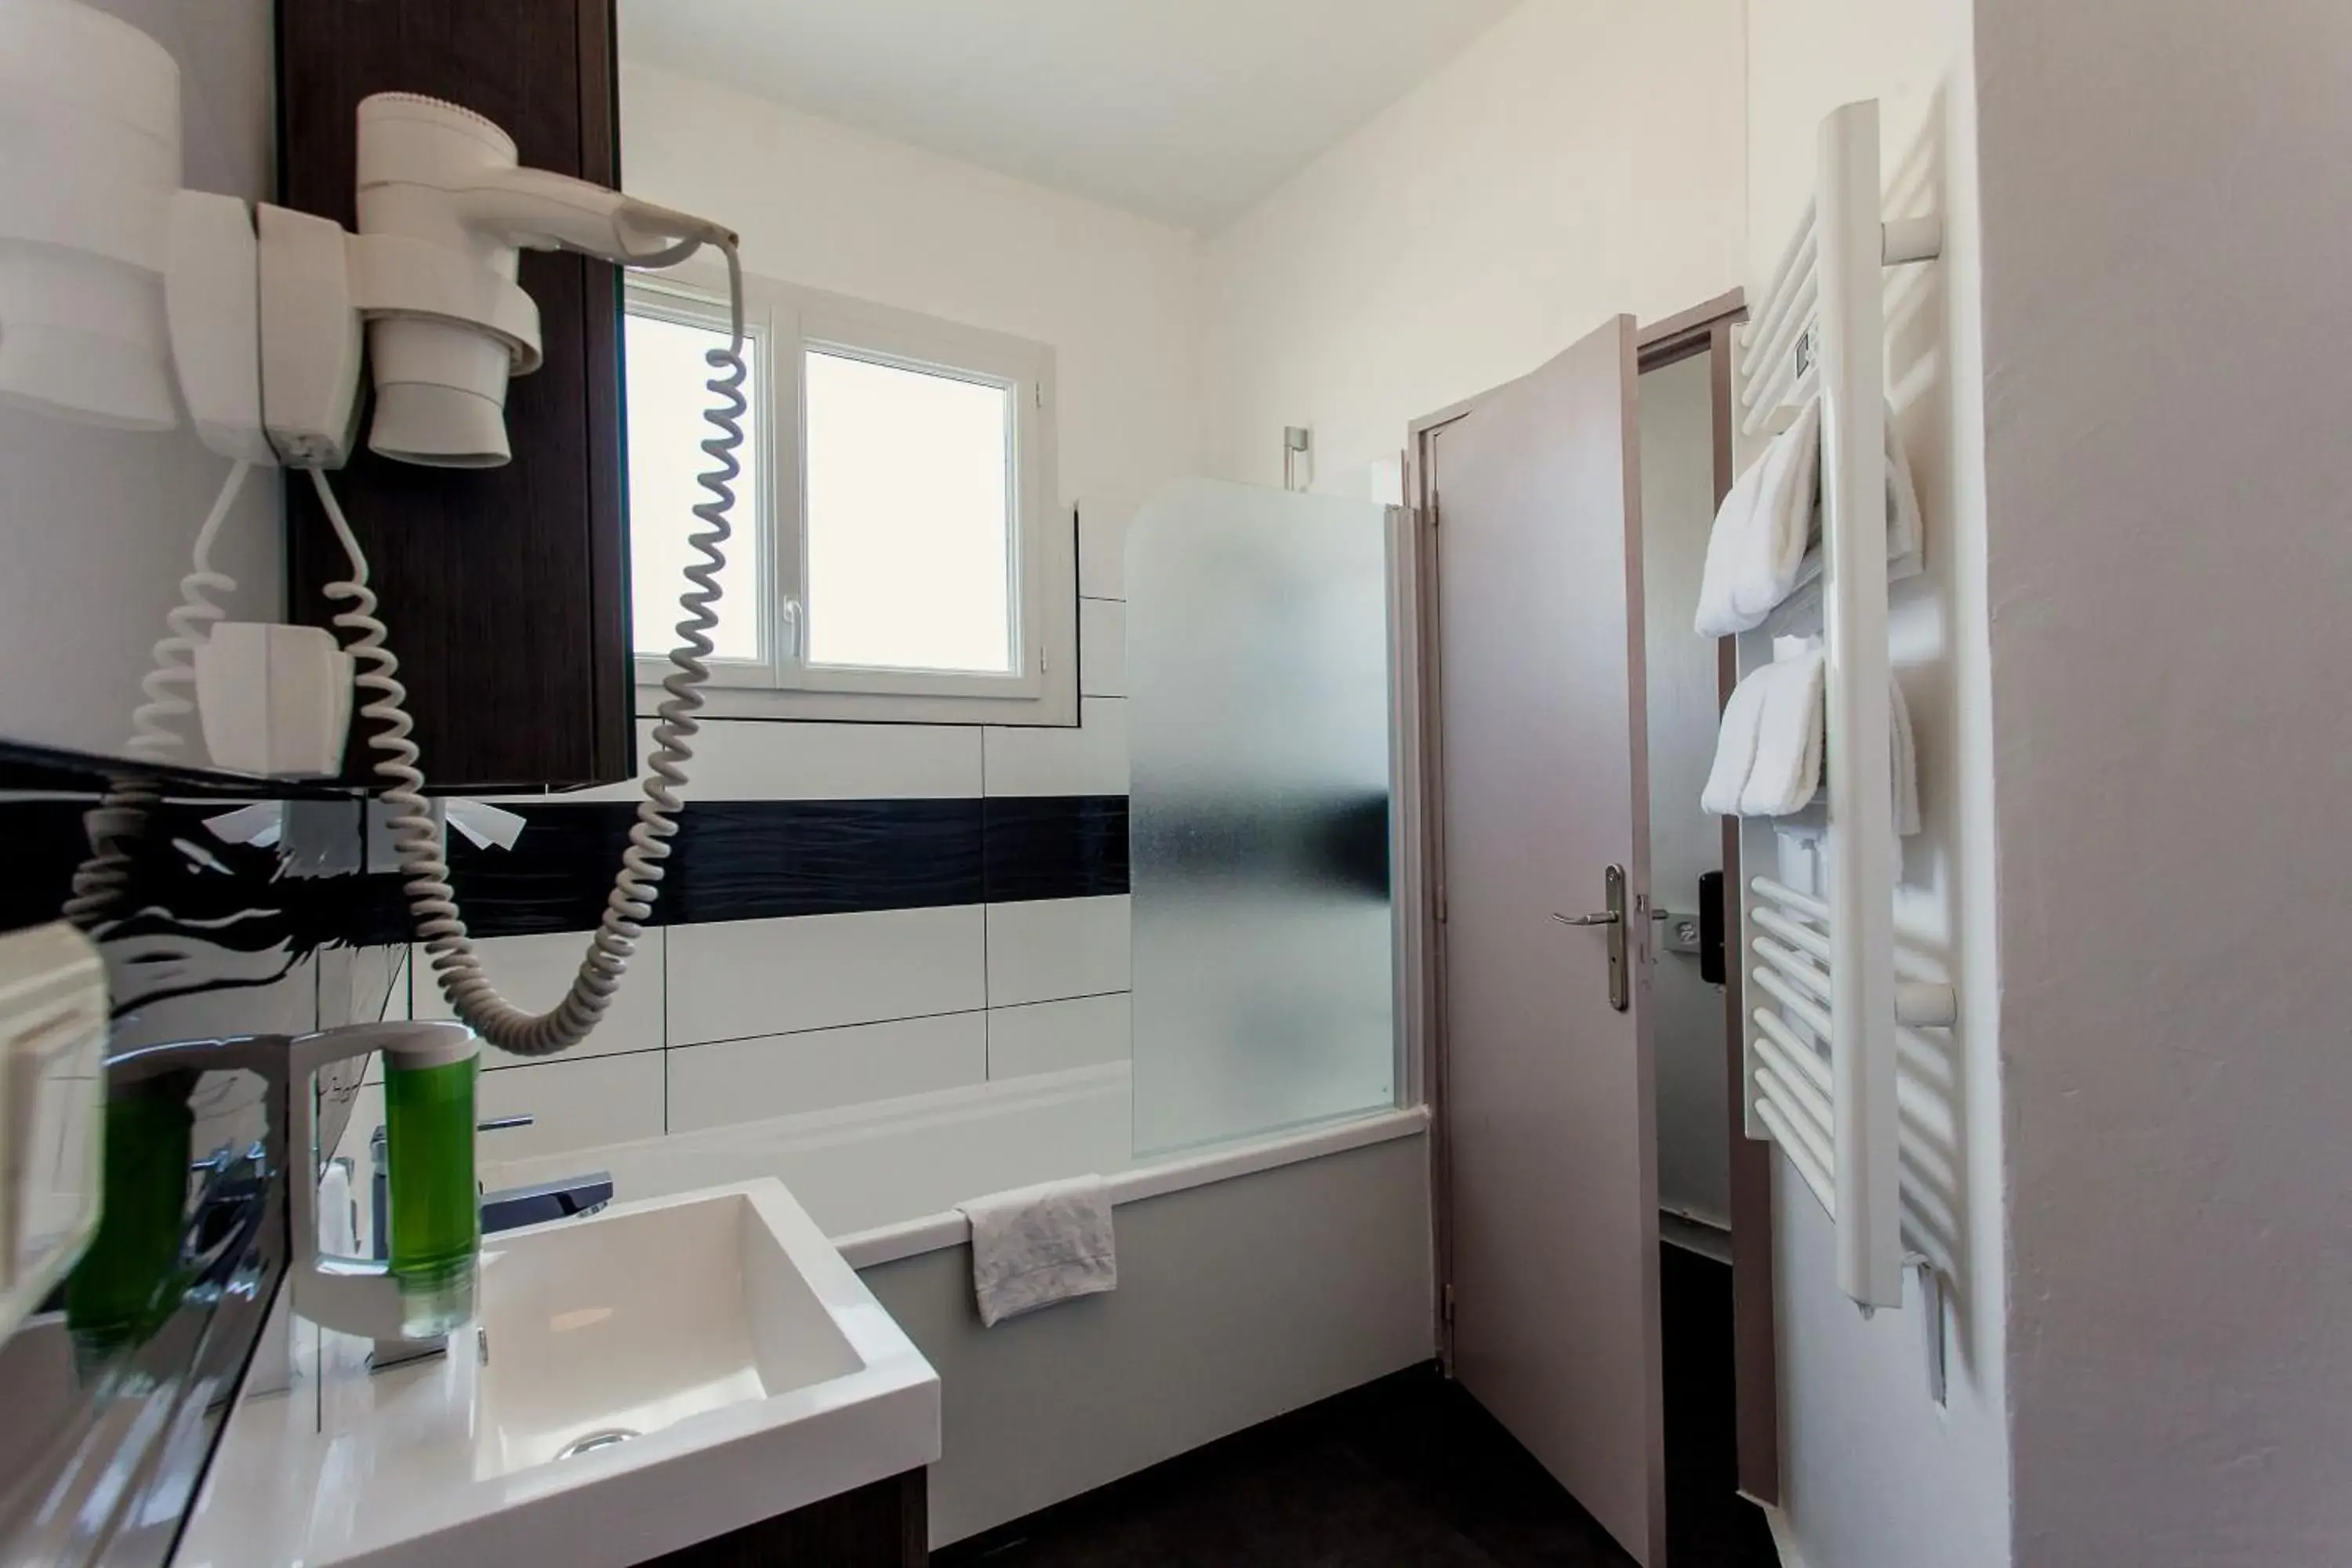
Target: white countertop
pixel 339 1466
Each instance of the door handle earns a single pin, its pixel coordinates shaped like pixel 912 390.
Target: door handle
pixel 1612 918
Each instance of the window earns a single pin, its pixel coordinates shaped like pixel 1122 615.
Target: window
pixel 893 556
pixel 665 431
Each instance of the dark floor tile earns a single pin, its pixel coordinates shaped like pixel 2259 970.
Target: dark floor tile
pixel 1708 1523
pixel 1411 1472
pixel 1407 1473
pixel 1435 1444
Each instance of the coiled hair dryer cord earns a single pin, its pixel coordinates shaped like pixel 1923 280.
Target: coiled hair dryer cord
pixel 157 735
pixel 439 925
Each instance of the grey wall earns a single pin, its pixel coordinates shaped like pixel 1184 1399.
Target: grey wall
pixel 96 525
pixel 2168 370
pixel 1873 1471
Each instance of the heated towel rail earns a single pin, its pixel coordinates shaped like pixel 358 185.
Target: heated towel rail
pixel 1823 1069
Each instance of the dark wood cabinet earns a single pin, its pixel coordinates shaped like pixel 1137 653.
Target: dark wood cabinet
pixel 506 590
pixel 886 1525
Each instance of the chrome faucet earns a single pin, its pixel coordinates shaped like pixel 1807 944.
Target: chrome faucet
pixel 515 1208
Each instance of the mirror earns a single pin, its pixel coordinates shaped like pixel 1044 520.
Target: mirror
pixel 106 484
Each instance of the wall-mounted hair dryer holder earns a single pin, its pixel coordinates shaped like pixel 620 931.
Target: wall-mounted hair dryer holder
pixel 427 287
pixel 444 211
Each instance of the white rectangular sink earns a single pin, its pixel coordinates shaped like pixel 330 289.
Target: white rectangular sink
pixel 644 1378
pixel 602 1332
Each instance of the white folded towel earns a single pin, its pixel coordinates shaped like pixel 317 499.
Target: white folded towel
pixel 1758 545
pixel 1769 751
pixel 1905 533
pixel 1726 541
pixel 1735 744
pixel 1766 544
pixel 1906 762
pixel 1035 1246
pixel 1787 769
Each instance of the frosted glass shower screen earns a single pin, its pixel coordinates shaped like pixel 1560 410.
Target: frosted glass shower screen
pixel 1258 721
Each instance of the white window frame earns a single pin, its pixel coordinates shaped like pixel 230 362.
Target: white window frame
pixel 786 320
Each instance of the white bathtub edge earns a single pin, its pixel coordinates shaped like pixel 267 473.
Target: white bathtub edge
pixel 935 1232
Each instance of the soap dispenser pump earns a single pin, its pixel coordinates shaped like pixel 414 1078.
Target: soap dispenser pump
pixel 425 1286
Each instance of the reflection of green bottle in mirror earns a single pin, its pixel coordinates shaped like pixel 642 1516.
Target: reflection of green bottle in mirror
pixel 125 1284
pixel 434 1211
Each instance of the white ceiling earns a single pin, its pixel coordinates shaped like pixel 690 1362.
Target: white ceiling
pixel 1186 111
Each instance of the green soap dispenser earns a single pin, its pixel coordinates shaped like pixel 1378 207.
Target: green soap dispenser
pixel 425 1289
pixel 434 1213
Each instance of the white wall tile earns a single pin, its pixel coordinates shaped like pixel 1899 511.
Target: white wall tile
pixel 750 1081
pixel 367 1115
pixel 271 995
pixel 1049 1037
pixel 747 761
pixel 737 759
pixel 1102 647
pixel 533 972
pixel 1089 760
pixel 396 1001
pixel 1053 948
pixel 576 1104
pixel 362 985
pixel 395 1007
pixel 1102 544
pixel 629 790
pixel 735 980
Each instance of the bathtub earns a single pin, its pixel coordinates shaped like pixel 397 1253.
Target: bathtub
pixel 869 1167
pixel 1254 1277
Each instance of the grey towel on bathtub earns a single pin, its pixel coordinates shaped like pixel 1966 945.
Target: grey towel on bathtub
pixel 1033 1247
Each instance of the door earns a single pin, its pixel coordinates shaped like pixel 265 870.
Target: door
pixel 1548 1085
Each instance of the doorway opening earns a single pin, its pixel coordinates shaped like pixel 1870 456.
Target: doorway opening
pixel 1713 1184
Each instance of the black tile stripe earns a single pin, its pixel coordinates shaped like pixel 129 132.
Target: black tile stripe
pixel 555 879
pixel 740 860
pixel 730 861
pixel 1054 847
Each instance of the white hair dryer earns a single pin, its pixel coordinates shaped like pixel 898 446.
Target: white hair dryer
pixel 443 208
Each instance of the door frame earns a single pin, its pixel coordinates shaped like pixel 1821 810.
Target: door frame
pixel 1428 911
pixel 1708 326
